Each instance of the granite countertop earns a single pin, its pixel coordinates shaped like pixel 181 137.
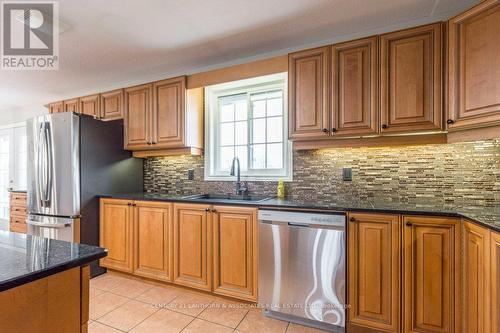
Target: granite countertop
pixel 26 258
pixel 487 216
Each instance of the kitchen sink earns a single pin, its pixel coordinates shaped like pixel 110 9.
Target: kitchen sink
pixel 226 197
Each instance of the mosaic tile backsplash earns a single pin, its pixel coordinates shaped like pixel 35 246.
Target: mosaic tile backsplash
pixel 459 173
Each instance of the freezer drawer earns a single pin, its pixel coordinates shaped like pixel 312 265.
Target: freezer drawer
pixel 52 227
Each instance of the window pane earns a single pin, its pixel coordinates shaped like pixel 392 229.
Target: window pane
pixel 227 134
pixel 258 156
pixel 274 107
pixel 226 157
pixel 259 130
pixel 275 129
pixel 227 112
pixel 259 109
pixel 241 133
pixel 274 94
pixel 275 156
pixel 242 153
pixel 241 110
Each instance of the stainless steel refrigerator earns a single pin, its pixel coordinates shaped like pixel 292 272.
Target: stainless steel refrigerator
pixel 71 160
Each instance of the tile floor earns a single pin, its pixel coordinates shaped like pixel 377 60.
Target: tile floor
pixel 120 303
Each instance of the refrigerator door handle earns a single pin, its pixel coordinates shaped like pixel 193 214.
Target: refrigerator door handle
pixel 39 165
pixel 49 166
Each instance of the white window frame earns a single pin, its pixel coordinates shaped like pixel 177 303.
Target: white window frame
pixel 247 86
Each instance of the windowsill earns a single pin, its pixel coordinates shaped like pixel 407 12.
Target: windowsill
pixel 247 179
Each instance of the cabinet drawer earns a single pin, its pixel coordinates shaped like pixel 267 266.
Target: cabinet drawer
pixel 18 199
pixel 18 210
pixel 18 227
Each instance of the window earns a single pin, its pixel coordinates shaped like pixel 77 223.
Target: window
pixel 248 119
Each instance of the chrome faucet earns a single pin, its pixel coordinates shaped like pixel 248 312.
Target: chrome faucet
pixel 239 189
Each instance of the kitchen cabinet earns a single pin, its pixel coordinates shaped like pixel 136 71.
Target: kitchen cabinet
pixel 163 115
pixel 495 282
pixel 192 245
pixel 115 234
pixel 308 93
pixel 72 105
pixel 474 67
pixel 355 88
pixel 138 105
pixel 411 80
pixel 431 274
pixel 56 107
pixel 235 252
pixel 374 272
pixel 18 212
pixel 476 270
pixel 89 105
pixel 111 105
pixel 153 239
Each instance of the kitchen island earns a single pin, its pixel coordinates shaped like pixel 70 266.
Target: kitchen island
pixel 44 284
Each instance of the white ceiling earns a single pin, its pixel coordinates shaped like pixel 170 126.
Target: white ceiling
pixel 115 43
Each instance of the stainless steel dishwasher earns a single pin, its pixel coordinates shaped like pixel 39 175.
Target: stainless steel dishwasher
pixel 302 267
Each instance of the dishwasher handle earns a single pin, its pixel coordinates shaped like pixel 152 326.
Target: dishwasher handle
pixel 331 226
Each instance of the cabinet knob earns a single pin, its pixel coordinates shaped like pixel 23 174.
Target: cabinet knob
pixel 214 210
pixel 325 130
pixel 352 219
pixel 384 126
pixel 450 121
pixel 129 204
pixel 409 224
pixel 207 210
pixel 334 130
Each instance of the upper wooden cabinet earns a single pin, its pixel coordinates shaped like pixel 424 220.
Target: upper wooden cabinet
pixel 115 234
pixel 56 107
pixel 355 87
pixel 163 115
pixel 374 272
pixel 111 105
pixel 474 67
pixel 138 114
pixel 72 105
pixel 411 79
pixel 431 274
pixel 192 246
pixel 235 252
pixel 153 239
pixel 308 93
pixel 89 105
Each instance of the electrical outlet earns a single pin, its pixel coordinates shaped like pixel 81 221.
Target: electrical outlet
pixel 347 174
pixel 190 174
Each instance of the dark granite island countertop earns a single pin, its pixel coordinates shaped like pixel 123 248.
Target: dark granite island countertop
pixel 26 258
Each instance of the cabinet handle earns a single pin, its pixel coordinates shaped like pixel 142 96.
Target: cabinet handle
pixel 325 130
pixel 352 219
pixel 334 130
pixel 129 204
pixel 409 224
pixel 214 210
pixel 207 210
pixel 450 121
pixel 384 126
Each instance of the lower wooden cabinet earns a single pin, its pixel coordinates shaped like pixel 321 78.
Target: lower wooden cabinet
pixel 235 251
pixel 495 282
pixel 192 224
pixel 374 276
pixel 212 248
pixel 115 234
pixel 18 212
pixel 153 239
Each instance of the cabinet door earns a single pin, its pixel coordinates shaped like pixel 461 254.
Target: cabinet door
pixel 308 90
pixel 411 80
pixel 168 112
pixel 72 105
pixel 374 272
pixel 112 105
pixel 474 67
pixel 89 105
pixel 192 246
pixel 476 269
pixel 115 234
pixel 235 252
pixel 431 274
pixel 153 240
pixel 138 105
pixel 56 107
pixel 495 282
pixel 355 87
